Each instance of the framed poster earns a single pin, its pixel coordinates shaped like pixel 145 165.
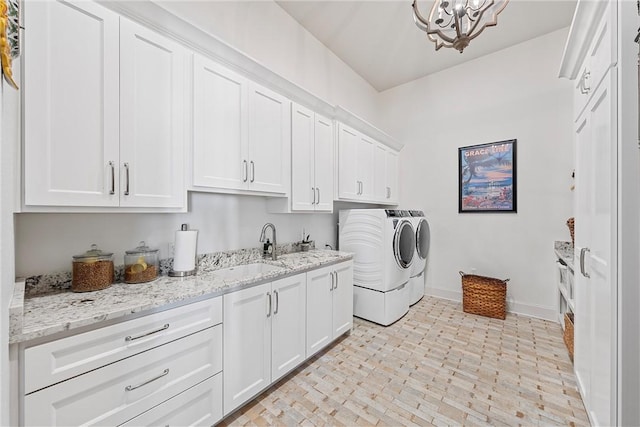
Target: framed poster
pixel 487 177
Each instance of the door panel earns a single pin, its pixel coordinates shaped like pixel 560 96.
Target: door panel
pixel 71 104
pixel 324 163
pixel 302 159
pixel 319 309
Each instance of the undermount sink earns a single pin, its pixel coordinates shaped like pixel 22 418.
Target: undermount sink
pixel 246 270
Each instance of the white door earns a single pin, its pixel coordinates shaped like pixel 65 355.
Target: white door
pixel 323 167
pixel 319 309
pixel 247 344
pixel 391 169
pixel 303 191
pixel 583 316
pixel 152 92
pixel 269 140
pixel 71 92
pixel 348 183
pixel 366 151
pixel 220 133
pixel 380 173
pixel 343 298
pixel 601 250
pixel 288 324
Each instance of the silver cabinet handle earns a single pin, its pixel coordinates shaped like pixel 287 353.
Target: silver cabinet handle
pixel 584 89
pixel 277 305
pixel 313 193
pixel 113 178
pixel 245 172
pixel 583 251
pixel 388 192
pixel 318 201
pixel 337 281
pixel 332 281
pixel 253 171
pixel 269 304
pixel 155 331
pixel 133 387
pixel 126 170
pixel 361 187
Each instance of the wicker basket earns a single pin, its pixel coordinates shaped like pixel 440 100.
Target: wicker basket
pixel 571 223
pixel 568 333
pixel 485 296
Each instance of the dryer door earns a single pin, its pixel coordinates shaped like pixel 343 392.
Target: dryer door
pixel 423 238
pixel 404 243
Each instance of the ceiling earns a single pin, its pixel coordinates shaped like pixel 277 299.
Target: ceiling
pixel 379 40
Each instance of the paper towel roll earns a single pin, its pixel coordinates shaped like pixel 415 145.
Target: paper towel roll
pixel 184 258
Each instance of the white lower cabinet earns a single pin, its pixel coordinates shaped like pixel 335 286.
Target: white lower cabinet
pixel 120 391
pixel 264 337
pixel 329 305
pixel 112 375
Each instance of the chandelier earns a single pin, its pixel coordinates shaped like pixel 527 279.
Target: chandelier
pixel 454 23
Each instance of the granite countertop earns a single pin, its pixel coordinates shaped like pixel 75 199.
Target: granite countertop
pixel 44 315
pixel 564 251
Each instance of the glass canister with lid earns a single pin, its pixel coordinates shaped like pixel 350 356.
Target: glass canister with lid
pixel 141 264
pixel 92 270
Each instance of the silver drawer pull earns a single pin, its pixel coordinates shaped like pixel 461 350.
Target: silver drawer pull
pixel 133 387
pixel 113 179
pixel 130 338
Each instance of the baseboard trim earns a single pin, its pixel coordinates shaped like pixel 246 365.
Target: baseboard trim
pixel 530 310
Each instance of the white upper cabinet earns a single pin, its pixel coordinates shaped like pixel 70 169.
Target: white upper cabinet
pixel 220 134
pixel 311 161
pixel 385 174
pixel 71 104
pixel 367 169
pixel 348 181
pixel 242 132
pixel 152 88
pixel 269 140
pixel 103 113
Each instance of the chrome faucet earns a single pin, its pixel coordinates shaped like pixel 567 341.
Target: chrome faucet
pixel 273 244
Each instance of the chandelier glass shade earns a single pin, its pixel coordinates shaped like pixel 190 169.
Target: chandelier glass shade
pixel 454 23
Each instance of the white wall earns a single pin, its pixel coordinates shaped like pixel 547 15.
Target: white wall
pixel 264 31
pixel 514 93
pixel 47 241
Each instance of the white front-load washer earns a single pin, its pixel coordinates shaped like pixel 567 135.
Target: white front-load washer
pixel 419 263
pixel 383 244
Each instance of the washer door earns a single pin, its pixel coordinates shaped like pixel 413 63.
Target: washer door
pixel 423 238
pixel 404 244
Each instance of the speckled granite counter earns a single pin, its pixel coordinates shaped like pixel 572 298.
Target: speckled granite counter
pixel 564 251
pixel 48 314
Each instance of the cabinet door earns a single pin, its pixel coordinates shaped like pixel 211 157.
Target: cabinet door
pixel 269 141
pixel 583 321
pixel 247 344
pixel 380 173
pixel 288 324
pixel 343 298
pixel 323 149
pixel 303 192
pixel 220 156
pixel 601 259
pixel 366 151
pixel 348 182
pixel 319 309
pixel 71 86
pixel 152 89
pixel 391 169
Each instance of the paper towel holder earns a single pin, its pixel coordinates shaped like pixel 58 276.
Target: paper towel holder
pixel 173 273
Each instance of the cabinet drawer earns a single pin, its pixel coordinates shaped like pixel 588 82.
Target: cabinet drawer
pixel 120 391
pixel 55 361
pixel 201 405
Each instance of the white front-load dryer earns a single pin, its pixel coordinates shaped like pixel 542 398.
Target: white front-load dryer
pixel 418 265
pixel 383 244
